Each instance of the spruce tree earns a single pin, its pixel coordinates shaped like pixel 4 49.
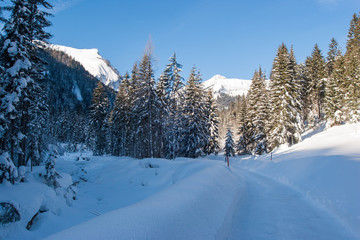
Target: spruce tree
pixel 23 104
pixel 333 54
pixel 334 100
pixel 285 120
pixel 352 72
pixel 244 145
pixel 119 121
pixel 132 136
pixel 258 111
pixel 315 66
pixel 193 122
pixel 146 108
pixel 173 97
pixel 212 145
pixel 229 144
pixel 98 115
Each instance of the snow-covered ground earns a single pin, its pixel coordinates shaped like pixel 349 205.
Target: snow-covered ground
pixel 308 191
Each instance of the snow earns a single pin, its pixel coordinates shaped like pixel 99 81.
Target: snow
pixel 93 63
pixel 230 86
pixel 307 191
pixel 77 92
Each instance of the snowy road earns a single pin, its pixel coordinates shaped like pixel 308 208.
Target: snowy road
pixel 271 210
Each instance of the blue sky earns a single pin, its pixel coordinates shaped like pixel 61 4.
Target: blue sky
pixel 227 37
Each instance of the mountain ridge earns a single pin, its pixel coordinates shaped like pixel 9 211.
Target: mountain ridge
pixel 230 86
pixel 94 63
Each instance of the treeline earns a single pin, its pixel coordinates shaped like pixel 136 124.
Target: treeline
pixel 164 119
pixel 299 96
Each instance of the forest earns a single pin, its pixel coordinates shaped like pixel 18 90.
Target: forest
pixel 158 118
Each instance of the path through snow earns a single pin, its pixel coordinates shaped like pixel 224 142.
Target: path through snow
pixel 271 210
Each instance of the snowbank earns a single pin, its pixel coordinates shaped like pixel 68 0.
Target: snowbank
pixel 196 207
pixel 325 168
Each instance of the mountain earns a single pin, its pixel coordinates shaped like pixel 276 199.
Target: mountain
pixel 221 85
pixel 94 63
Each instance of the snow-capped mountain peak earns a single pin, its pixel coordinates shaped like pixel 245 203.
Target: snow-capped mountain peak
pixel 94 63
pixel 230 86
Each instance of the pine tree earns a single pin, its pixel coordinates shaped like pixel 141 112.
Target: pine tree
pixel 119 122
pixel 334 91
pixel 212 145
pixel 132 137
pixel 193 122
pixel 352 72
pixel 333 54
pixel 258 111
pixel 229 144
pixel 285 120
pixel 171 84
pixel 98 116
pixel 244 145
pixel 21 81
pixel 146 108
pixel 51 176
pixel 315 66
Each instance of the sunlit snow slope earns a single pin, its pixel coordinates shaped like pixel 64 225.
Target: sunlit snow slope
pixel 93 63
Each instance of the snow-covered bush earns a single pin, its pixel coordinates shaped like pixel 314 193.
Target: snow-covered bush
pixel 51 175
pixel 8 213
pixel 8 171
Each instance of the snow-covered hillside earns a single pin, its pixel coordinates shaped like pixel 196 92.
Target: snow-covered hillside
pixel 307 191
pixel 230 86
pixel 93 63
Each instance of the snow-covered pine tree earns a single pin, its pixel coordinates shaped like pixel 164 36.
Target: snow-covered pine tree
pixel 132 137
pixel 258 111
pixel 315 67
pixel 285 120
pixel 334 91
pixel 98 115
pixel 51 176
pixel 352 74
pixel 212 145
pixel 146 109
pixel 163 93
pixel 22 98
pixel 119 121
pixel 244 144
pixel 171 84
pixel 193 121
pixel 333 53
pixel 229 148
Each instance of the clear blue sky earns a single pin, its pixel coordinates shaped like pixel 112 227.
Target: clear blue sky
pixel 227 37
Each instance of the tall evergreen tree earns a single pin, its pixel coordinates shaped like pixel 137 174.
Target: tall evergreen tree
pixel 119 121
pixel 285 120
pixel 146 107
pixel 169 92
pixel 352 72
pixel 333 54
pixel 132 137
pixel 315 66
pixel 245 143
pixel 212 145
pixel 194 122
pixel 22 97
pixel 98 115
pixel 334 100
pixel 258 111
